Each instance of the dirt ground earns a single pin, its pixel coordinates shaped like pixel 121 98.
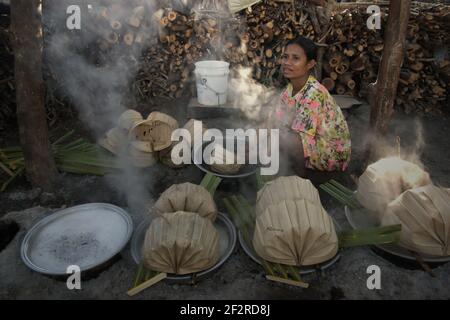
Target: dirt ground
pixel 239 277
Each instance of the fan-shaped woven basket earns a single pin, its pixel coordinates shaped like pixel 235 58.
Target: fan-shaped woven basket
pixel 424 214
pixel 156 131
pixel 296 233
pixel 386 179
pixel 181 243
pixel 187 197
pixel 286 188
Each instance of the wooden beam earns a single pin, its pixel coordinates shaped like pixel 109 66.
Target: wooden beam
pixel 30 93
pixel 384 91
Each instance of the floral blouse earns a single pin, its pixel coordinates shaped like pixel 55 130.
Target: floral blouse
pixel 314 114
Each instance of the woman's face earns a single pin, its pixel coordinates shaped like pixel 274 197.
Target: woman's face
pixel 294 62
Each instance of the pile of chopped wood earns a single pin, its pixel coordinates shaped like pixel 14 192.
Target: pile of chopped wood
pixel 354 54
pixel 350 61
pixel 167 43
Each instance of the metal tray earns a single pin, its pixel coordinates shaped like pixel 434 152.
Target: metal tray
pixel 245 171
pixel 359 220
pixel 227 242
pixel 250 251
pixel 87 236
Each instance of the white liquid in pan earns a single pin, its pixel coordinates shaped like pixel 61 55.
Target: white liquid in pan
pixel 84 238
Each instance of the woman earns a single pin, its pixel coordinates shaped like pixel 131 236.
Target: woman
pixel 313 130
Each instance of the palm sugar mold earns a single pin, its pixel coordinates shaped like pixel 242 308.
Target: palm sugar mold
pixel 227 242
pixel 291 227
pixel 234 170
pixel 395 191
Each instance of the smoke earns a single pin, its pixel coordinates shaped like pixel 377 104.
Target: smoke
pixel 95 68
pixel 134 186
pixel 97 92
pixel 254 99
pixel 414 152
pixel 420 137
pixel 97 81
pixel 406 141
pixel 244 92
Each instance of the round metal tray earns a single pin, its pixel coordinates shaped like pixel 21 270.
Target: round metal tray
pixel 250 251
pixel 360 220
pixel 245 171
pixel 87 236
pixel 227 242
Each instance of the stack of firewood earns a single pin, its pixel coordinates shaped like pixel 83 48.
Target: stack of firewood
pixel 354 53
pixel 425 76
pixel 168 44
pixel 166 68
pixel 255 37
pixel 125 29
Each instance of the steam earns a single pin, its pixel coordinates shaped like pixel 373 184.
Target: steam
pixel 98 85
pixel 410 148
pixel 249 96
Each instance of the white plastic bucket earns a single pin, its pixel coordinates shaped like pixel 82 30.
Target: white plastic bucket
pixel 212 82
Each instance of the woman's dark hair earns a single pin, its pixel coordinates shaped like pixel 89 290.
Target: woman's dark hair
pixel 307 45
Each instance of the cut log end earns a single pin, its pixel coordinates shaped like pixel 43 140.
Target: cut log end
pixel 113 38
pixel 172 16
pixel 328 83
pixel 128 39
pixel 116 25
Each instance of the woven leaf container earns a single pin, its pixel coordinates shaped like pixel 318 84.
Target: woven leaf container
pixel 156 130
pixel 386 179
pixel 296 233
pixel 286 188
pixel 115 140
pixel 129 118
pixel 424 214
pixel 187 197
pixel 142 159
pixel 117 136
pixel 105 144
pixel 181 243
pixel 166 155
pixel 143 146
pixel 224 168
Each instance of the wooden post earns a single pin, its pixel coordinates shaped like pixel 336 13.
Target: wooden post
pixel 324 19
pixel 30 93
pixel 384 91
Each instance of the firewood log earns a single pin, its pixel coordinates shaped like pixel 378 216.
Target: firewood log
pixel 137 17
pixel 417 66
pixel 340 89
pixel 328 83
pixel 112 38
pixel 343 66
pixel 116 24
pixel 358 64
pixel 335 59
pixel 128 38
pixel 347 79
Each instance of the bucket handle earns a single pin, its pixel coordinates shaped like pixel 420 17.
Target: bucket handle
pixel 204 82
